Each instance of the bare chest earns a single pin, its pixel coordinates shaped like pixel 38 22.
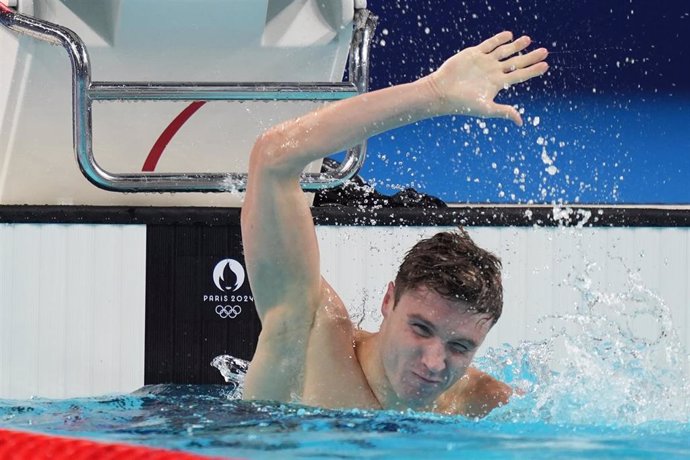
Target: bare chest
pixel 333 374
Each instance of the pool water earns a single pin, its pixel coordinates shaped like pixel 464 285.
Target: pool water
pixel 203 420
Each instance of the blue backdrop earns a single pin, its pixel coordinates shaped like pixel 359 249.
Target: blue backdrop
pixel 609 123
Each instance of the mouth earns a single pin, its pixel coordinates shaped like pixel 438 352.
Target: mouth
pixel 428 380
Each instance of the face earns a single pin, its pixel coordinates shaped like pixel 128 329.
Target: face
pixel 427 342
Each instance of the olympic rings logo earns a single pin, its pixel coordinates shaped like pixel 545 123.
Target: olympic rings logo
pixel 228 311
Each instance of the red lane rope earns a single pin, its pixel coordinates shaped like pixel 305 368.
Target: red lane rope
pixel 15 445
pixel 167 135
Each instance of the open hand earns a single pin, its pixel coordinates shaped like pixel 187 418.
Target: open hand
pixel 468 82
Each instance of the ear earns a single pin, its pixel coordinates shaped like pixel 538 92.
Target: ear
pixel 388 300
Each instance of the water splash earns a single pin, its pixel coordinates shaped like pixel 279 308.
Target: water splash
pixel 233 371
pixel 616 361
pixel 229 184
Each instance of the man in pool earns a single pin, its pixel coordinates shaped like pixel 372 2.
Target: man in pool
pixel 446 296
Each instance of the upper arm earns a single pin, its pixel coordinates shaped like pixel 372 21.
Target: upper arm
pixel 278 234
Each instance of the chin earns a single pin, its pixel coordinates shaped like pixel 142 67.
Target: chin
pixel 416 398
pixel 420 404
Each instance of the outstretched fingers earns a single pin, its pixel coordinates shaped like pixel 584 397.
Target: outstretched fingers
pixel 470 81
pixel 487 46
pixel 508 49
pixel 525 60
pixel 525 74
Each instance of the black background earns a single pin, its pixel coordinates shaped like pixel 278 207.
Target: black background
pixel 183 333
pixel 585 37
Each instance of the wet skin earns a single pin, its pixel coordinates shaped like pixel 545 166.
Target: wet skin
pixel 308 346
pixel 425 345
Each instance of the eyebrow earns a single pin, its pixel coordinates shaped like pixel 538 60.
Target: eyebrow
pixel 469 342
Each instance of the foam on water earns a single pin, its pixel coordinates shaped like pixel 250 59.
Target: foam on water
pixel 233 371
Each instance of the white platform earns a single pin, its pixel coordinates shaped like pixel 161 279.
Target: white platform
pixel 151 40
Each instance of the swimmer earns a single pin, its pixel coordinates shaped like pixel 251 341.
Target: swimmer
pixel 447 294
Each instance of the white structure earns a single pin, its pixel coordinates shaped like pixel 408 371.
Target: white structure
pixel 149 40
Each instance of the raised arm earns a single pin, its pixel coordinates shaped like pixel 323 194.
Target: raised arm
pixel 278 233
pixel 279 238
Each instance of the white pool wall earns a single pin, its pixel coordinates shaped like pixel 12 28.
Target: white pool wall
pixel 541 270
pixel 71 309
pixel 541 266
pixel 72 297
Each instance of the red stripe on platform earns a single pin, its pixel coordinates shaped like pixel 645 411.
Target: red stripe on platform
pixel 16 445
pixel 167 135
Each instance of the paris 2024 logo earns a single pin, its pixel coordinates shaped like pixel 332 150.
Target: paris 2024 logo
pixel 228 277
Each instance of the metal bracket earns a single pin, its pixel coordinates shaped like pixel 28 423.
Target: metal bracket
pixel 85 92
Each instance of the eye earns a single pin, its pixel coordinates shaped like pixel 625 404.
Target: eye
pixel 459 348
pixel 421 329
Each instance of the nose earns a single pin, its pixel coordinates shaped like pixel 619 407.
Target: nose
pixel 434 356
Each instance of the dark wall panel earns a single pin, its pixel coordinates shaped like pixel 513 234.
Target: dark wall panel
pixel 198 302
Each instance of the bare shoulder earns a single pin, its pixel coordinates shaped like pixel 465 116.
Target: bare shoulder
pixel 284 350
pixel 332 310
pixel 332 333
pixel 361 334
pixel 475 395
pixel 334 376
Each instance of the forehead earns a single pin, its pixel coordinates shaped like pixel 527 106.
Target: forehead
pixel 447 315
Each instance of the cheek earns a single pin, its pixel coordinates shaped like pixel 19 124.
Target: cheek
pixel 394 365
pixel 461 363
pixel 468 358
pixel 411 347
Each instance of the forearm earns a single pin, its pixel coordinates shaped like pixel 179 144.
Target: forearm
pixel 467 83
pixel 340 125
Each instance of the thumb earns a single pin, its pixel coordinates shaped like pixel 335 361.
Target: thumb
pixel 508 112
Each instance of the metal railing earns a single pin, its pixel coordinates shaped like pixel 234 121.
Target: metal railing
pixel 84 92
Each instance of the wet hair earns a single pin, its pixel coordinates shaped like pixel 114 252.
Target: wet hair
pixel 452 265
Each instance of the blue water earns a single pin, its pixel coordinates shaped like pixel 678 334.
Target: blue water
pixel 201 419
